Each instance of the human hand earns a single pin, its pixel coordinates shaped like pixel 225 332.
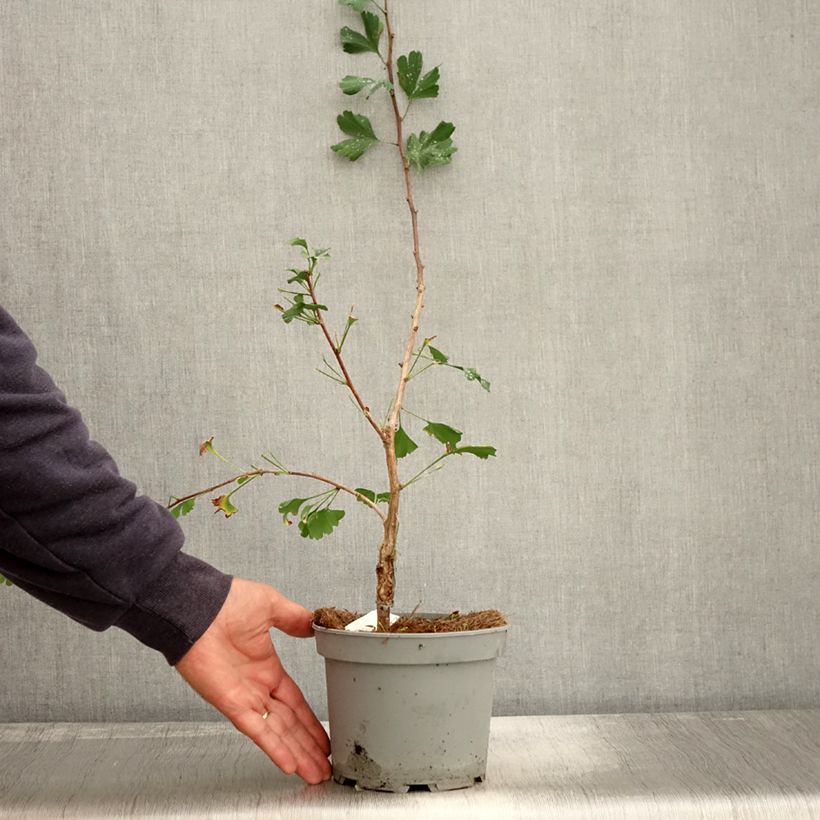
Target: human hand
pixel 236 669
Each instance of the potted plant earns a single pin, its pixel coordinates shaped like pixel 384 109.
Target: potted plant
pixel 409 697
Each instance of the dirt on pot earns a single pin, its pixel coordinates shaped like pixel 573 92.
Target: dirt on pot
pixel 334 618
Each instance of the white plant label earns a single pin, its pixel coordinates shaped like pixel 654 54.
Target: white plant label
pixel 367 623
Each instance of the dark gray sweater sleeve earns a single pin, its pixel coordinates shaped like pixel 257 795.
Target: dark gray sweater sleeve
pixel 75 534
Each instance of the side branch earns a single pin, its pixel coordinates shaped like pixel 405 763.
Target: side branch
pixel 253 473
pixel 337 353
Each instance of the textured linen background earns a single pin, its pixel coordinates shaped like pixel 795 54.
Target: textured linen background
pixel 626 245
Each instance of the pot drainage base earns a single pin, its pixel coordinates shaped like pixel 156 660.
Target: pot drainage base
pixel 441 786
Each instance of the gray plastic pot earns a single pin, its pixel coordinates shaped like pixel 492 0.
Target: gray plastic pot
pixel 410 709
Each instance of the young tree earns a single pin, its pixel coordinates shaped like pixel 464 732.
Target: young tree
pixel 417 152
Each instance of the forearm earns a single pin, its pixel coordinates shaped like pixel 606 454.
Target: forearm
pixel 75 534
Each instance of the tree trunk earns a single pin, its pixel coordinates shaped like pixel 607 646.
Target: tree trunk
pixel 385 569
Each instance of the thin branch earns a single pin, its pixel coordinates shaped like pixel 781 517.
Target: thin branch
pixel 416 415
pixel 219 455
pixel 211 489
pixel 351 320
pixel 331 494
pixel 338 486
pixel 331 377
pixel 418 354
pixel 419 372
pixel 418 475
pixel 331 368
pixel 336 352
pixel 271 459
pixel 314 476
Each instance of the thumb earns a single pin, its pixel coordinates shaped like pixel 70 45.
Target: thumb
pixel 288 616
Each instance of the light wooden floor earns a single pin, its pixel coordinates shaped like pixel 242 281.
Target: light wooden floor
pixel 706 765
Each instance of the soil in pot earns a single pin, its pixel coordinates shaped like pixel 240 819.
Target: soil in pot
pixel 334 618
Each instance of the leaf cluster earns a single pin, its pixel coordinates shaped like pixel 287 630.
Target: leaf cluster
pixel 422 150
pixel 314 520
pixel 446 435
pixel 302 306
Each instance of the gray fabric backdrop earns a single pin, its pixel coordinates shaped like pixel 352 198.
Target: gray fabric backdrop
pixel 626 246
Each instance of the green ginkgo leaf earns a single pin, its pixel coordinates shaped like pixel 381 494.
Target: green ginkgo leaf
pixel 352 149
pixel 357 125
pixel 356 5
pixel 318 523
pixel 290 507
pixel 359 128
pixel 353 85
pixel 437 355
pixel 409 70
pixel 427 86
pixel 480 450
pixel 443 433
pixel 472 376
pixel 298 275
pixel 354 42
pixel 371 495
pixel 435 148
pixel 410 79
pixel 183 508
pixel 373 28
pixel 471 373
pixel 301 310
pixel 404 444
